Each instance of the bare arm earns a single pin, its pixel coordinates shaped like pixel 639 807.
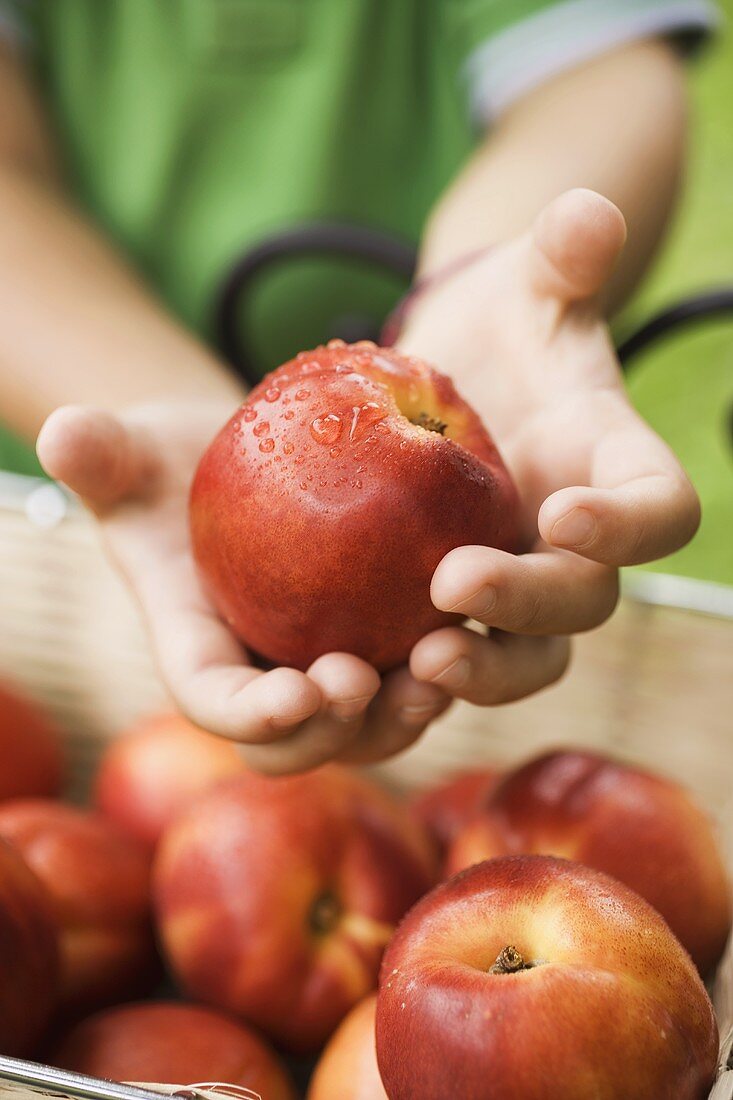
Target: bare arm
pixel 616 125
pixel 77 324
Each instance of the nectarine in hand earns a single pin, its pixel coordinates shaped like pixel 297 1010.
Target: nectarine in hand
pixel 321 510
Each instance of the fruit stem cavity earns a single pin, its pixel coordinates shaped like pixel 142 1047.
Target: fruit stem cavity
pixel 510 961
pixel 430 423
pixel 325 913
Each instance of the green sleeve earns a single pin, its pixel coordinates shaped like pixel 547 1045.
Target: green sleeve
pixel 508 47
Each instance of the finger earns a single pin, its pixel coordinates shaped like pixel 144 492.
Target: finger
pixel 547 592
pixel 314 743
pixel 646 516
pixel 94 454
pixel 201 661
pixel 347 686
pixel 489 671
pixel 398 716
pixel 574 245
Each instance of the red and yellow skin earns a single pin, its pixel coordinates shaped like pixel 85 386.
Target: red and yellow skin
pixel 446 808
pixel 638 827
pixel 347 1069
pixel 28 956
pixel 30 749
pixel 148 775
pixel 321 510
pixel 610 1006
pixel 98 883
pixel 275 898
pixel 173 1044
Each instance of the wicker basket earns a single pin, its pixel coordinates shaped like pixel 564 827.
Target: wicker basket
pixel 654 684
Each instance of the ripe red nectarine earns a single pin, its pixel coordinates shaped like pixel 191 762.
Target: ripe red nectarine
pixel 30 748
pixel 97 881
pixel 529 978
pixel 172 1044
pixel 638 827
pixel 447 807
pixel 321 510
pixel 151 773
pixel 28 955
pixel 347 1068
pixel 275 897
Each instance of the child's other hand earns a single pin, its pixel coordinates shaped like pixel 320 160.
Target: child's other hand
pixel 134 473
pixel 523 335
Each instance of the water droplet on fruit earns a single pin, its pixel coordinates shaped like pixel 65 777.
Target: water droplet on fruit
pixel 272 394
pixel 302 395
pixel 334 452
pixel 289 414
pixel 326 429
pixel 335 344
pixel 267 445
pixel 249 414
pixel 262 428
pixel 288 448
pixel 304 484
pixel 363 419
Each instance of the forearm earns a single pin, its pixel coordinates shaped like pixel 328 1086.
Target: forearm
pixel 77 325
pixel 616 126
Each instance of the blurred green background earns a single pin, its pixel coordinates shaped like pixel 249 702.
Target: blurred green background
pixel 684 386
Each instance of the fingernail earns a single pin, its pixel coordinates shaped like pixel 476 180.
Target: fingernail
pixel 346 710
pixel 454 675
pixel 575 529
pixel 477 606
pixel 482 603
pixel 420 713
pixel 288 721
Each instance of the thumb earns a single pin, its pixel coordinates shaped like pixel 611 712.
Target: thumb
pixel 575 242
pixel 94 454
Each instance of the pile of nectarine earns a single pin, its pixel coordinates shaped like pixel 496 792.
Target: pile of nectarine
pixel 301 915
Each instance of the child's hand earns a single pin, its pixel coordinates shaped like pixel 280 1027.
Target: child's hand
pixel 523 336
pixel 134 473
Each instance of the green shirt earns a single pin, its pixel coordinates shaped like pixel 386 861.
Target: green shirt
pixel 193 129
